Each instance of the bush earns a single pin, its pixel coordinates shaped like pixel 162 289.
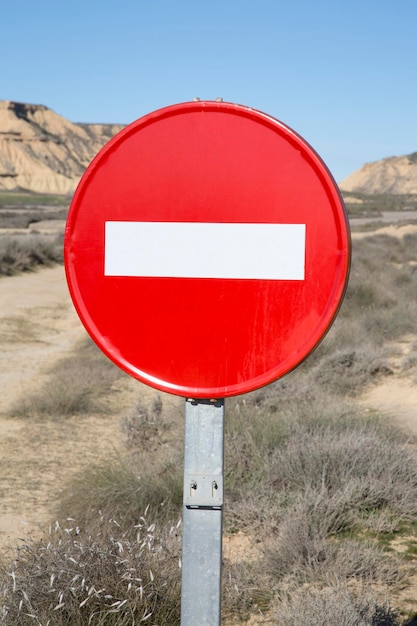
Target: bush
pixel 77 384
pixel 381 297
pixel 368 463
pixel 27 253
pixel 304 549
pixel 334 606
pixel 70 577
pixel 123 489
pixel 363 472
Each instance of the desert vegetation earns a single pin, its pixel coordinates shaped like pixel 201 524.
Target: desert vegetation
pixel 28 252
pixel 320 489
pixel 25 200
pixel 365 205
pixel 75 385
pixel 22 248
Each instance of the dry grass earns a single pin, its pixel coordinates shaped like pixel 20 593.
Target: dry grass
pixel 334 606
pixel 25 254
pixel 70 577
pixel 381 301
pixel 149 476
pixel 123 489
pixel 78 384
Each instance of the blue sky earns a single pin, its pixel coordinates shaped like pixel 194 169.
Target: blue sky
pixel 342 74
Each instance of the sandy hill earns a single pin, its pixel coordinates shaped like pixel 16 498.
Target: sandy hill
pixel 394 175
pixel 43 152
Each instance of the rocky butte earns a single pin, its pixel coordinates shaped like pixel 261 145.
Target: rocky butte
pixel 393 175
pixel 41 151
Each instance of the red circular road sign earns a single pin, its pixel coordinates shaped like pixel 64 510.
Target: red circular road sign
pixel 207 249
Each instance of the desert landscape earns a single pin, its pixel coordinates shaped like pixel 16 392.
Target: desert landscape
pixel 38 328
pixel 321 484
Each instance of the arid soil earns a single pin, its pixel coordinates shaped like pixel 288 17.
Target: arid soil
pixel 396 397
pixel 38 326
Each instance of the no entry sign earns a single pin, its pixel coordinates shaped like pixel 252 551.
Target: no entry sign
pixel 207 249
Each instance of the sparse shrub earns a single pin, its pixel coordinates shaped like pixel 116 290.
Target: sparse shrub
pixel 25 254
pixel 348 372
pixel 110 576
pixel 24 217
pixel 363 471
pixel 71 577
pixel 246 590
pixel 371 462
pixel 143 426
pixel 332 606
pixel 382 296
pixel 122 489
pixel 77 384
pixel 304 550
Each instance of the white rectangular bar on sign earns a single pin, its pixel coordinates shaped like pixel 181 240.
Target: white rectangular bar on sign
pixel 205 250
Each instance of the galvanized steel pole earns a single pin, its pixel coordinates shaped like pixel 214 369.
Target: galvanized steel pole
pixel 202 513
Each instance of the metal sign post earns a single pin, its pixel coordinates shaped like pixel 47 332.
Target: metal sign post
pixel 202 513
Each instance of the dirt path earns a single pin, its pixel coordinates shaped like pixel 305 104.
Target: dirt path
pixel 38 326
pixel 395 397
